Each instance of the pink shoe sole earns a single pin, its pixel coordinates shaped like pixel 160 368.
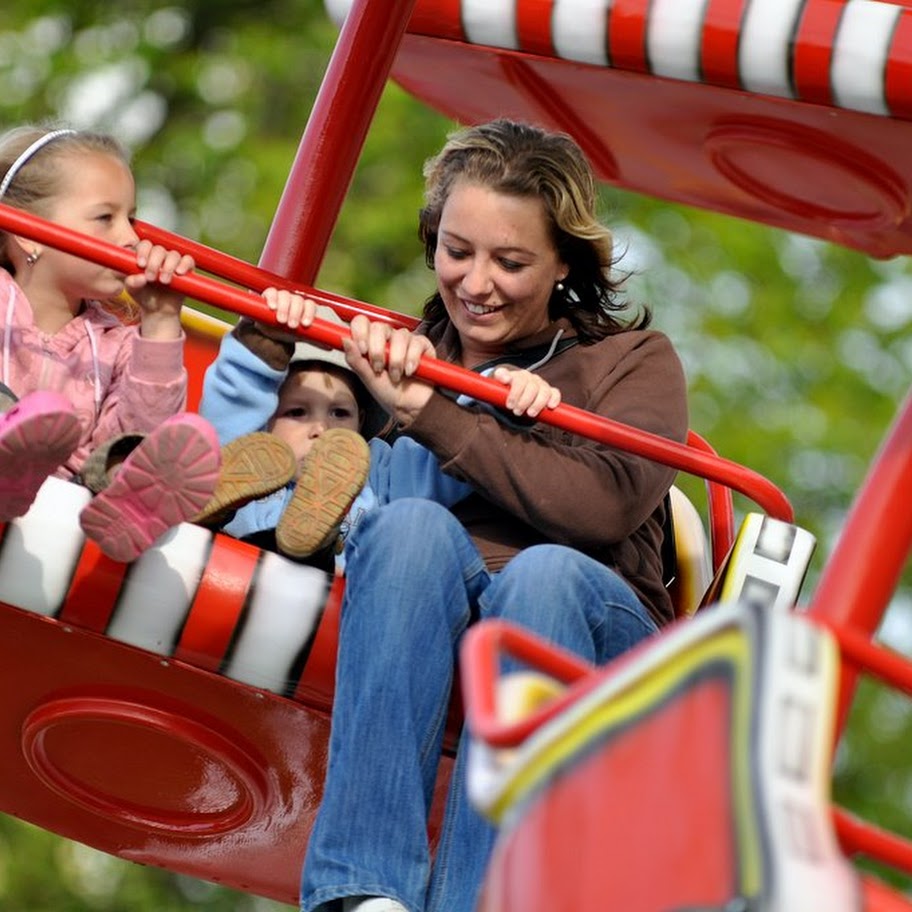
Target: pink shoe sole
pixel 37 435
pixel 166 480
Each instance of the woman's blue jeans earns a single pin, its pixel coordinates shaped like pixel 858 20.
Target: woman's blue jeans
pixel 414 583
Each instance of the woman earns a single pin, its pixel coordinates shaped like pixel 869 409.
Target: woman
pixel 562 535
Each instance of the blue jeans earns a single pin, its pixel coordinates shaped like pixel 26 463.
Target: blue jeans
pixel 414 583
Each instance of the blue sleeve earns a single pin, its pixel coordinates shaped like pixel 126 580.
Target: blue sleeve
pixel 240 391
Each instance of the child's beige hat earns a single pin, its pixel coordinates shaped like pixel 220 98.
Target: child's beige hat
pixel 376 418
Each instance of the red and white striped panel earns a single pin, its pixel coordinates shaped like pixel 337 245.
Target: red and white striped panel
pixel 201 598
pixel 853 54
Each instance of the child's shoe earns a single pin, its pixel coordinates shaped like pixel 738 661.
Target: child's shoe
pixel 37 435
pixel 252 467
pixel 7 398
pixel 331 476
pixel 164 481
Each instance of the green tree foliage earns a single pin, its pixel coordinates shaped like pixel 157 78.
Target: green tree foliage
pixel 797 352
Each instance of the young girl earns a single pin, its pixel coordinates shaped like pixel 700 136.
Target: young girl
pixel 84 379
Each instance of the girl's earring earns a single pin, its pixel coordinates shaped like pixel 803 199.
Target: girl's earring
pixel 559 286
pixel 32 258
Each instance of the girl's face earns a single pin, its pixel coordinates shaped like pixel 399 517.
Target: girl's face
pixel 98 198
pixel 496 268
pixel 311 402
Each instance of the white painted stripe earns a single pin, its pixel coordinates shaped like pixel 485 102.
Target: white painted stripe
pixel 796 711
pixel 673 35
pixel 746 565
pixel 766 36
pixel 41 549
pixel 490 23
pixel 159 589
pixel 579 30
pixel 287 604
pixel 860 52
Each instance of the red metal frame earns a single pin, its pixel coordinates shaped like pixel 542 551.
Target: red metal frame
pixel 331 145
pixel 697 461
pixel 860 575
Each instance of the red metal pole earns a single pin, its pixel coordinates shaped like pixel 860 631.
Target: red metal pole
pixel 860 577
pixel 334 136
pixel 440 373
pixel 721 509
pixel 249 276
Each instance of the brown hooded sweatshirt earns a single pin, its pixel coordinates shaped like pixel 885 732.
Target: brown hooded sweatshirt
pixel 544 484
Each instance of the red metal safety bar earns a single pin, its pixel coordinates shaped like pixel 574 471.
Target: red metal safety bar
pixel 721 508
pixel 567 417
pixel 258 279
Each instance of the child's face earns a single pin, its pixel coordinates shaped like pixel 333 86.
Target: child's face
pixel 311 402
pixel 98 198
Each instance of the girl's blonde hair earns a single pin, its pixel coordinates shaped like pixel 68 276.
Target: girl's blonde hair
pixel 39 179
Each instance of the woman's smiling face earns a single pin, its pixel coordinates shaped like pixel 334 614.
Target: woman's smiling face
pixel 496 267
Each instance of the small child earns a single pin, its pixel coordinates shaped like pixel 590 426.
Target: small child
pixel 83 378
pixel 308 397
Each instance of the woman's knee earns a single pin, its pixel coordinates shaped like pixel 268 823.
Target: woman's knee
pixel 539 588
pixel 409 524
pixel 571 599
pixel 553 572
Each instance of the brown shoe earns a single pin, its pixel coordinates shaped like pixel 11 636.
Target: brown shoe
pixel 252 467
pixel 103 463
pixel 7 398
pixel 333 473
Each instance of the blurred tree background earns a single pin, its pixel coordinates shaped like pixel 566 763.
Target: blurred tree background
pixel 797 351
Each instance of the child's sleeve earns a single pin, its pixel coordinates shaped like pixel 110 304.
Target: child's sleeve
pixel 240 391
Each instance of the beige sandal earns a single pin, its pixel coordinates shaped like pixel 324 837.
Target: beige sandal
pixel 331 476
pixel 252 466
pixel 99 469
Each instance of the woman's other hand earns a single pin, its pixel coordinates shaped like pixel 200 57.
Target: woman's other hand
pixel 385 358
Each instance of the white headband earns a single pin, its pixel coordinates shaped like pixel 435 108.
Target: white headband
pixel 16 166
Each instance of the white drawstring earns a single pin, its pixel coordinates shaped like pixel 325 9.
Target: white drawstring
pixel 548 355
pixel 95 366
pixel 7 333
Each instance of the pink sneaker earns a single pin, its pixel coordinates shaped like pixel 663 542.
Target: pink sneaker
pixel 37 435
pixel 166 480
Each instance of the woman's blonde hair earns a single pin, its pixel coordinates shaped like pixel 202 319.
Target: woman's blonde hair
pixel 518 159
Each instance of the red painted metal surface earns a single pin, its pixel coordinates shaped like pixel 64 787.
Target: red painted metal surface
pixel 154 760
pixel 332 141
pixel 238 771
pixel 788 157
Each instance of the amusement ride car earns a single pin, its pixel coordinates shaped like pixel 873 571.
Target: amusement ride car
pixel 180 711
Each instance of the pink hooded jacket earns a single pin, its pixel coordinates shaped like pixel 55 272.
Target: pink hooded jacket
pixel 117 381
